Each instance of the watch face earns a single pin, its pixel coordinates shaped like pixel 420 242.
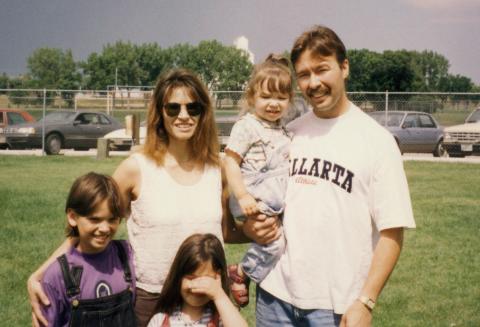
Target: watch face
pixel 369 303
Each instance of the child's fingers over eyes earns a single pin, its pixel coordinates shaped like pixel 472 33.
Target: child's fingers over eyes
pixel 205 285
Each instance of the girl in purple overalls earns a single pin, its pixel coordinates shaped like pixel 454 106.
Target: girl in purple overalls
pixel 92 284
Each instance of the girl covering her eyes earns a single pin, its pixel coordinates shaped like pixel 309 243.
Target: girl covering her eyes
pixel 195 292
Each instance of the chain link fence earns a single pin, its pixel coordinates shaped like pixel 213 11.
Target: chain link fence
pixel 447 108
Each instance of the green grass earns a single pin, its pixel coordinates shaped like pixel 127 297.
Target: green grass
pixel 452 117
pixel 434 284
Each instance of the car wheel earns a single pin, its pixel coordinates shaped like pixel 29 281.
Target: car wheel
pixel 440 150
pixel 53 144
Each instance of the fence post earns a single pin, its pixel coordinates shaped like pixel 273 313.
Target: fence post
pixel 103 148
pixel 108 102
pixel 386 107
pixel 43 120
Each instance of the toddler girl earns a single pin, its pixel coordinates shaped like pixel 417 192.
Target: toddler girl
pixel 256 164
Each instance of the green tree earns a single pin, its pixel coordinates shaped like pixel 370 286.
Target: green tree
pixel 4 81
pixel 120 60
pixel 455 83
pixel 180 56
pixel 393 72
pixel 151 60
pixel 363 64
pixel 373 71
pixel 53 69
pixel 430 68
pixel 222 67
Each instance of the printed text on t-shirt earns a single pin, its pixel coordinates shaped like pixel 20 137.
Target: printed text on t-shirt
pixel 324 170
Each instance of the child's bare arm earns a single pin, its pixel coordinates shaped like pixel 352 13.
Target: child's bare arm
pixel 35 291
pixel 231 230
pixel 212 287
pixel 235 181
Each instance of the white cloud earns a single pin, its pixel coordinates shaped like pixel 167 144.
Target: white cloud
pixel 443 4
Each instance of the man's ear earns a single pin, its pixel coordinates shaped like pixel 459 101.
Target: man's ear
pixel 71 218
pixel 345 66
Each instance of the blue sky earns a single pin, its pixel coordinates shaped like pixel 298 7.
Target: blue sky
pixel 449 27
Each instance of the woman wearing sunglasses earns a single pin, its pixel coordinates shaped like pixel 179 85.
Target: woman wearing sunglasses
pixel 173 186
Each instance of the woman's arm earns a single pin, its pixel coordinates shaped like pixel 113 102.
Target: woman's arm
pixel 35 291
pixel 127 176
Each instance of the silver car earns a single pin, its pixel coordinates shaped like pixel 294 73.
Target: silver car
pixel 415 132
pixel 63 129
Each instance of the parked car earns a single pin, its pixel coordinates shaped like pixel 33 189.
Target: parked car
pixel 462 140
pixel 416 132
pixel 121 140
pixel 11 117
pixel 63 129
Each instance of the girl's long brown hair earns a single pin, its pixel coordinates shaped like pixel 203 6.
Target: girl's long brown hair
pixel 204 142
pixel 194 251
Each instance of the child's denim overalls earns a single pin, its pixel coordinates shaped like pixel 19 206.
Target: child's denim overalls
pixel 114 310
pixel 268 186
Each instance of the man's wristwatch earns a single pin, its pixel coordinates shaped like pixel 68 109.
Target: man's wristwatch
pixel 368 302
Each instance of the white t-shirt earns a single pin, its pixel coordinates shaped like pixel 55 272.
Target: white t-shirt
pixel 346 183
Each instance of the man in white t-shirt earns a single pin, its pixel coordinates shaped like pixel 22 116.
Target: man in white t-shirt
pixel 347 202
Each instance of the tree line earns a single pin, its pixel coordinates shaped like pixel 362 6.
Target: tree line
pixel 225 68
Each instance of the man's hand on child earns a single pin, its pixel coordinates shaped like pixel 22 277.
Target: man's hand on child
pixel 248 204
pixel 37 299
pixel 262 229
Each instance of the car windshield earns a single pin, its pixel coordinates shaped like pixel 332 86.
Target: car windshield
pixel 474 117
pixel 393 118
pixel 58 116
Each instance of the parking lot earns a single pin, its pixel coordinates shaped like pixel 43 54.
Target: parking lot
pixel 93 153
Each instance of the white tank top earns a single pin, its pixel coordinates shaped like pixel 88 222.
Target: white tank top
pixel 165 213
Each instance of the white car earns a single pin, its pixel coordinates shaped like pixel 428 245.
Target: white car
pixel 122 141
pixel 462 140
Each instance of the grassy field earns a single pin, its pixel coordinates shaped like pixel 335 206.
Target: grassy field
pixel 435 282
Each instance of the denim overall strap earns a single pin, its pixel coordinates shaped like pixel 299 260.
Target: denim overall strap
pixel 122 254
pixel 113 310
pixel 70 277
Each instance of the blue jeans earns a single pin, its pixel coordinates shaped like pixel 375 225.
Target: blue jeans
pixel 272 311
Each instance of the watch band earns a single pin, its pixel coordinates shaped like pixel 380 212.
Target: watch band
pixel 368 302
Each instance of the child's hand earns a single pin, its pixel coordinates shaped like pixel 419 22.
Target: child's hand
pixel 211 287
pixel 248 204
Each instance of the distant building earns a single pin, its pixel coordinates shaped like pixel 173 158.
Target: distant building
pixel 241 42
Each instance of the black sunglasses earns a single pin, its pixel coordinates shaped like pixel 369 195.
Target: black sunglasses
pixel 172 109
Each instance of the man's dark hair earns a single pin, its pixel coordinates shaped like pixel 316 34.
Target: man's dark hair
pixel 320 40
